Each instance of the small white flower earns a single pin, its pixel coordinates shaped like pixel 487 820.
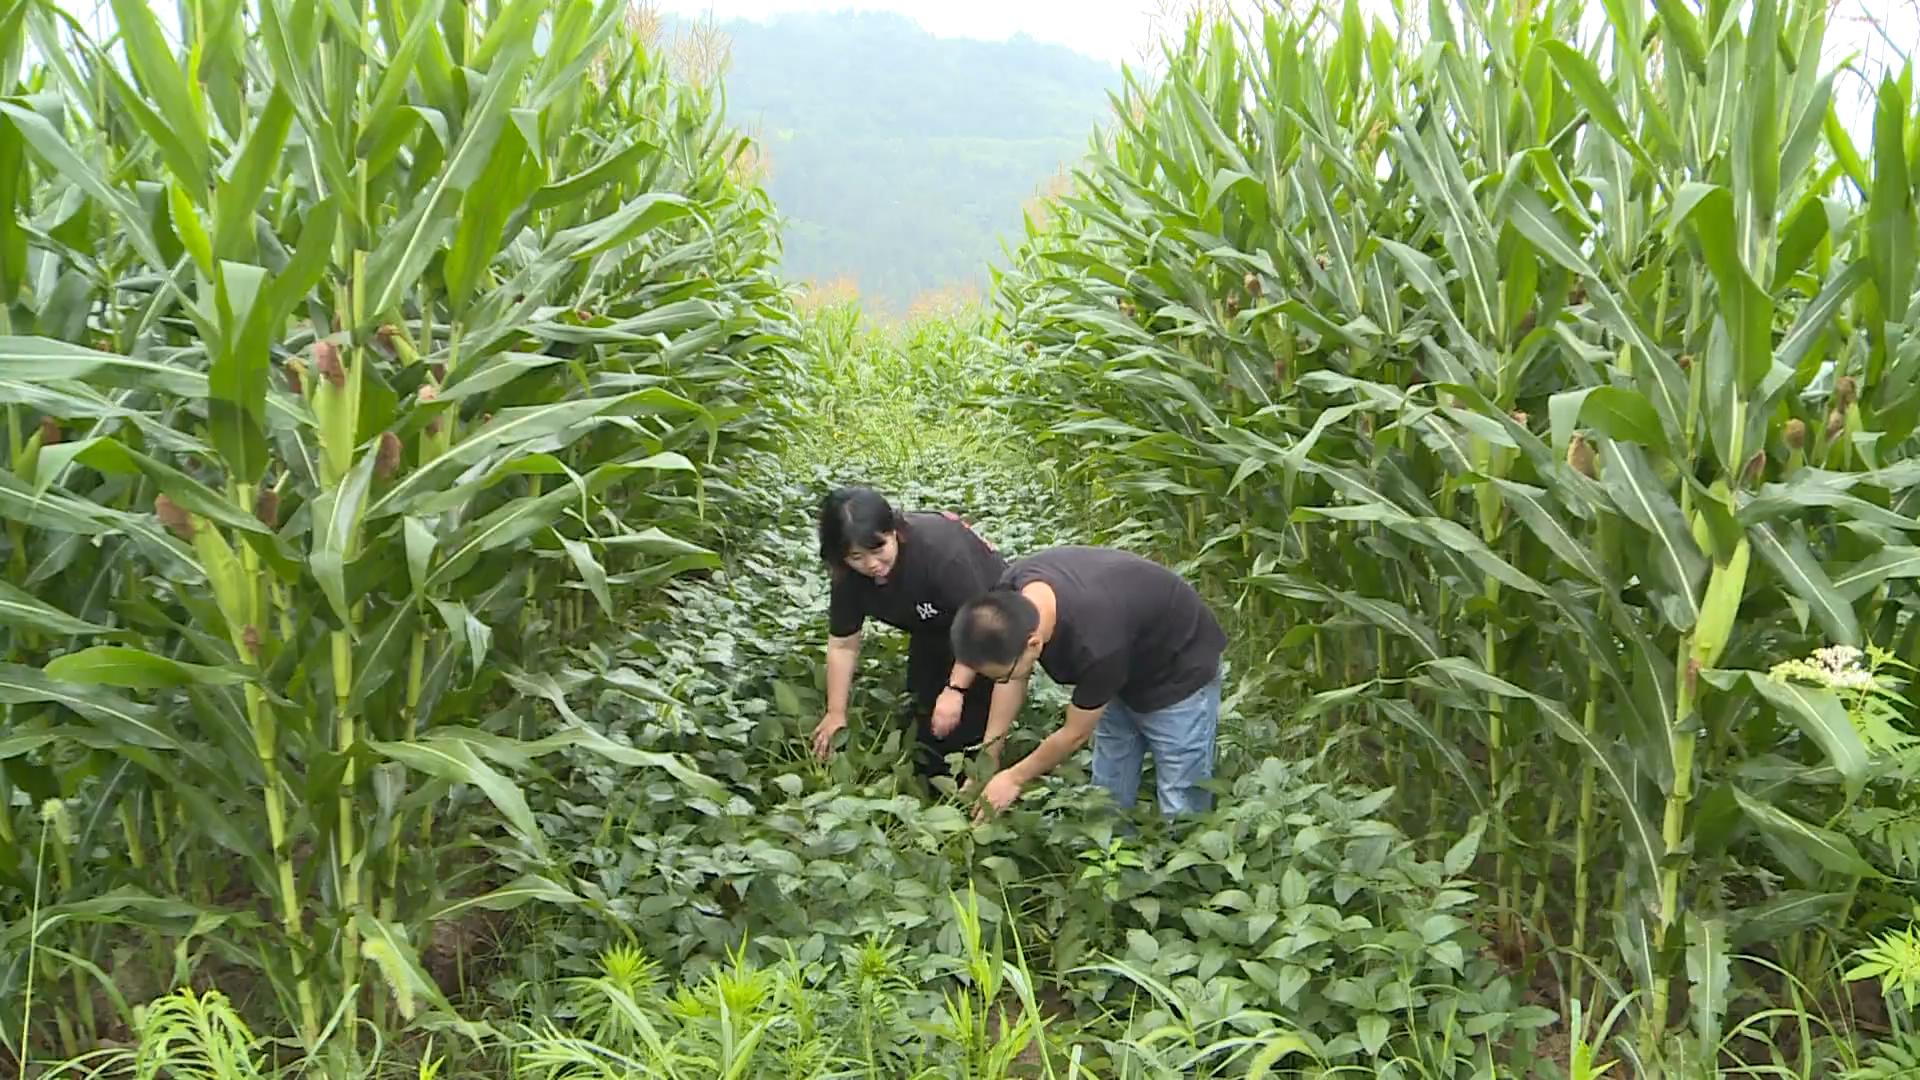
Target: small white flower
pixel 1837 667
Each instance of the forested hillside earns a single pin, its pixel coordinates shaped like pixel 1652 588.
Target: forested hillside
pixel 899 159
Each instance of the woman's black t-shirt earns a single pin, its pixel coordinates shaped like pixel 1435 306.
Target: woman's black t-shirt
pixel 942 564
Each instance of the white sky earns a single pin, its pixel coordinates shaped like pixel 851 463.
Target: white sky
pixel 1121 30
pixel 1116 30
pixel 1110 30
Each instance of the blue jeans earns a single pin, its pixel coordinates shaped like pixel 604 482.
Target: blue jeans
pixel 1181 737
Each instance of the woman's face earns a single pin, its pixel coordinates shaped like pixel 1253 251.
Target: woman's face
pixel 876 562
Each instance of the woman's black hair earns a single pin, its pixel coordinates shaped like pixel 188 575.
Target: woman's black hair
pixel 854 517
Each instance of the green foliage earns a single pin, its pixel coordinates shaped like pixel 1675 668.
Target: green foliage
pixel 904 400
pixel 1528 394
pixel 1893 958
pixel 347 364
pixel 189 1035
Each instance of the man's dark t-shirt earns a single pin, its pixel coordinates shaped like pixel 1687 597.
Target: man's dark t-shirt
pixel 1126 628
pixel 941 565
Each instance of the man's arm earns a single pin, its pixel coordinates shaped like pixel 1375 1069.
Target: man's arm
pixel 1058 746
pixel 1099 685
pixel 1007 699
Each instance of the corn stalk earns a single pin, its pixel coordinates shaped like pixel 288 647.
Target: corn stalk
pixel 300 314
pixel 1622 287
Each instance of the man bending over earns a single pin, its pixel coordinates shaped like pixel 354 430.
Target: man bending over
pixel 1137 645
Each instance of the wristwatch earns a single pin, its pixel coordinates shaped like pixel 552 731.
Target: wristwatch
pixel 957 689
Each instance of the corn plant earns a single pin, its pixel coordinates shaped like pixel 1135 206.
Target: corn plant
pixel 348 352
pixel 1529 392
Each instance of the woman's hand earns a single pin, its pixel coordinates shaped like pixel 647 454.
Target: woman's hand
pixel 823 732
pixel 946 712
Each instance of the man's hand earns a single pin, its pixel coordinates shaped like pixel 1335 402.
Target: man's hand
pixel 823 733
pixel 999 793
pixel 946 712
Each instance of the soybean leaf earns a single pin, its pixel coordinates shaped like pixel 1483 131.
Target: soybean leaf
pixel 1460 856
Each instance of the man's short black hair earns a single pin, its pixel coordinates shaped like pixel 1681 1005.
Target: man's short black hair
pixel 993 629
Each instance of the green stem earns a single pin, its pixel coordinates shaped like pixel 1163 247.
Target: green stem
pixel 532 604
pixel 349 874
pixel 160 841
pixel 130 829
pixel 68 1039
pixel 1540 886
pixel 1583 828
pixel 1487 502
pixel 345 733
pixel 1673 828
pixel 1606 537
pixel 265 746
pixel 1496 734
pixel 82 995
pixel 416 667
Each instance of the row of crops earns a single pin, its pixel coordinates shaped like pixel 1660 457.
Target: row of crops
pixel 355 355
pixel 1545 406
